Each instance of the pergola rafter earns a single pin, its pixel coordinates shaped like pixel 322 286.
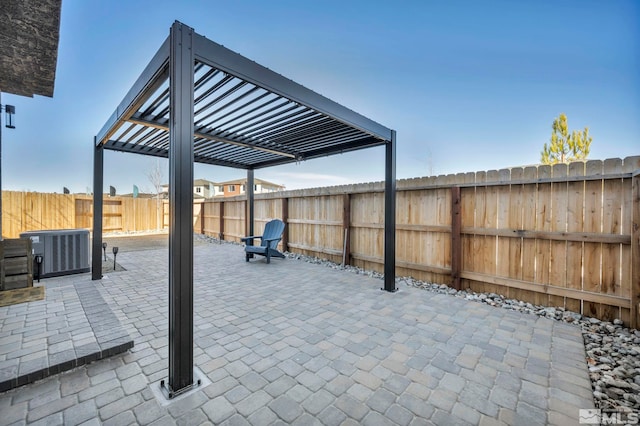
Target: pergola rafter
pixel 197 101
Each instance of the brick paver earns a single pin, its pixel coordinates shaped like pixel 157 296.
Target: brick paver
pixel 297 343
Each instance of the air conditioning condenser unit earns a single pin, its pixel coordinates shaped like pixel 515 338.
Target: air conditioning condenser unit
pixel 63 252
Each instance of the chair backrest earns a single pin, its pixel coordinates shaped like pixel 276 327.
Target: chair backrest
pixel 273 229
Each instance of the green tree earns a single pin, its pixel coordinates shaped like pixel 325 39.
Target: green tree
pixel 566 147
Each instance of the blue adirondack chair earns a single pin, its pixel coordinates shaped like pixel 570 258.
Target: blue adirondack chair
pixel 270 238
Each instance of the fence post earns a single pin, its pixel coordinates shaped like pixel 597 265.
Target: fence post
pixel 346 223
pixel 635 250
pixel 456 240
pixel 221 235
pixel 285 219
pixel 202 217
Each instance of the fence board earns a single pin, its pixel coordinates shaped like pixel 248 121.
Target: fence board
pixel 611 253
pixel 468 206
pixel 514 221
pixel 529 203
pixel 558 256
pixel 593 223
pixel 575 223
pixel 490 221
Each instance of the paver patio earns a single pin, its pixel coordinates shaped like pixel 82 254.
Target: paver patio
pixel 297 343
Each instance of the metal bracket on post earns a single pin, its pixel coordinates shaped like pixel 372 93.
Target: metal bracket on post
pixel 169 393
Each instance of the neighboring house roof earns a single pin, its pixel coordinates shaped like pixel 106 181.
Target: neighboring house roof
pixel 256 181
pixel 29 33
pixel 202 182
pixel 196 182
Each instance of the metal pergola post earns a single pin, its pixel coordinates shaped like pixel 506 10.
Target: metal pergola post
pixel 390 215
pixel 250 199
pixel 181 60
pixel 98 176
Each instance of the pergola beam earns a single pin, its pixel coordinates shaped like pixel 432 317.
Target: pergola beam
pixel 155 73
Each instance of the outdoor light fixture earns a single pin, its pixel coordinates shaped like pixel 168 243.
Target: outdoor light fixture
pixel 115 252
pixel 9 111
pixel 39 263
pixel 104 249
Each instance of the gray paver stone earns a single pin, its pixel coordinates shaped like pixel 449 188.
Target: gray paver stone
pixel 396 384
pixel 381 400
pixel 237 394
pixel 53 419
pixel 119 406
pixel 310 381
pixel 318 401
pixel 52 407
pixel 192 417
pixel 253 402
pixel 253 381
pixel 331 416
pixel 376 419
pixel 534 414
pixel 109 397
pixel 440 417
pixel 416 405
pixel 263 417
pixel 280 386
pixel 285 408
pixel 399 414
pixel 218 409
pixel 306 420
pixel 134 384
pixel 78 413
pixel 339 385
pixel 15 412
pixel 361 393
pixel 148 412
pixel 124 418
pixel 235 420
pixel 220 387
pixel 466 413
pixel 351 407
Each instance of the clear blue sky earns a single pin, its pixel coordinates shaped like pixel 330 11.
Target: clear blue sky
pixel 467 85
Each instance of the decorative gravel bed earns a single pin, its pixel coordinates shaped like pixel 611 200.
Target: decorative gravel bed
pixel 612 350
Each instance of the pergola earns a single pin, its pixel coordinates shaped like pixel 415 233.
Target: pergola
pixel 197 101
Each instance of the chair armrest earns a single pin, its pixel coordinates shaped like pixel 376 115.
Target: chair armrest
pixel 272 239
pixel 250 237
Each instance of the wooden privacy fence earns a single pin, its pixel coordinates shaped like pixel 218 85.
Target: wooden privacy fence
pixel 567 235
pixel 31 211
